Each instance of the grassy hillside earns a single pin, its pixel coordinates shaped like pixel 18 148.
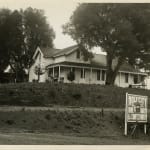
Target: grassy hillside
pixel 80 126
pixel 86 123
pixel 73 122
pixel 46 94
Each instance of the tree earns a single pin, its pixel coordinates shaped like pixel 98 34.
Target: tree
pixel 16 45
pixel 38 71
pixel 122 30
pixel 37 31
pixel 4 51
pixel 21 31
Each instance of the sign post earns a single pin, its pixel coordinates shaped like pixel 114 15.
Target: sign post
pixel 135 110
pixel 126 112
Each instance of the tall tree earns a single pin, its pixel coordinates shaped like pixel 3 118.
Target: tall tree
pixel 122 30
pixel 20 34
pixel 16 45
pixel 4 51
pixel 37 31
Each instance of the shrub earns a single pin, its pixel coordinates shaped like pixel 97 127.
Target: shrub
pixel 11 93
pixel 10 122
pixel 77 96
pixel 52 94
pixel 47 117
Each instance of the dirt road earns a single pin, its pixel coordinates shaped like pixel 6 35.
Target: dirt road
pixel 59 108
pixel 59 139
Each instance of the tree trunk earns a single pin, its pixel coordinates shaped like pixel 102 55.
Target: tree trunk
pixel 38 74
pixel 110 77
pixel 111 73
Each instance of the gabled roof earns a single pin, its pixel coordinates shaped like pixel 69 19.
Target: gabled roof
pixel 52 52
pixel 49 52
pixel 100 60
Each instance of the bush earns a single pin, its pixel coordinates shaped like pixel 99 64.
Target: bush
pixel 47 117
pixel 52 94
pixel 77 96
pixel 10 122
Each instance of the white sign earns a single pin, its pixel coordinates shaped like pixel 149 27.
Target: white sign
pixel 136 109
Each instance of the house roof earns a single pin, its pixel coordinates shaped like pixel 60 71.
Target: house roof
pixel 52 52
pixel 49 52
pixel 98 61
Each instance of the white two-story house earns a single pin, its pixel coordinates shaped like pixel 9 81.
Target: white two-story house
pixel 57 63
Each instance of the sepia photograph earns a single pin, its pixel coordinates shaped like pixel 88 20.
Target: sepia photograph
pixel 74 73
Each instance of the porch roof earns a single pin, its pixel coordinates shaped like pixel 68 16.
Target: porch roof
pixel 124 68
pixel 75 64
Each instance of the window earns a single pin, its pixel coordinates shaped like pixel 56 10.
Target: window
pixel 98 74
pixel 82 73
pixel 50 72
pixel 56 72
pixel 103 75
pixel 135 79
pixel 142 78
pixel 78 54
pixel 126 77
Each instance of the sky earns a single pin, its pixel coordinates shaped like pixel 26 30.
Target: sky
pixel 57 12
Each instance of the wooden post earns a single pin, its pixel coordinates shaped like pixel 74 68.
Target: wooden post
pixel 119 78
pixel 53 72
pixel 59 74
pixel 83 73
pixel 91 75
pixel 145 128
pixel 126 123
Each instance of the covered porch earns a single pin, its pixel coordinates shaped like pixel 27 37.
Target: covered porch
pixel 84 73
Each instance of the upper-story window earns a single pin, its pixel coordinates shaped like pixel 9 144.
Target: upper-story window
pixel 78 54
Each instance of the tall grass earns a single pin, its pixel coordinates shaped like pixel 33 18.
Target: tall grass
pixel 79 95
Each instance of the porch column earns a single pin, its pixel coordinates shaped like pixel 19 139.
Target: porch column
pixel 91 72
pixel 138 78
pixel 119 78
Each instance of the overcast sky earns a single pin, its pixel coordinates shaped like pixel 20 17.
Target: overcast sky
pixel 58 13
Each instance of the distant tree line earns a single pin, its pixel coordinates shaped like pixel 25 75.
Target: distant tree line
pixel 21 31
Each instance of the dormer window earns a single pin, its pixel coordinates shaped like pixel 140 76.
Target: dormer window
pixel 78 54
